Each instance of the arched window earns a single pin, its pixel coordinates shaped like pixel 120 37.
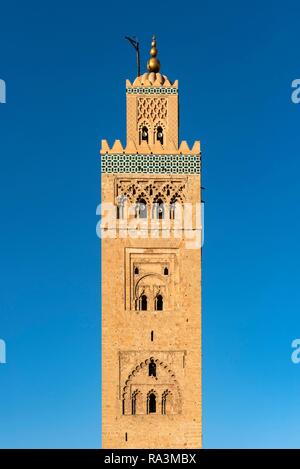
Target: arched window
pixel 151 403
pixel 159 302
pixel 160 135
pixel 159 209
pixel 136 271
pixel 143 302
pixel 152 368
pixel 166 271
pixel 144 133
pixel 141 208
pixel 172 209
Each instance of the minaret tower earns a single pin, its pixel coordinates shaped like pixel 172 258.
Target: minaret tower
pixel 151 282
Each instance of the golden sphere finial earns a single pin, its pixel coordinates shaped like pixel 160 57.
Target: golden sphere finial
pixel 153 63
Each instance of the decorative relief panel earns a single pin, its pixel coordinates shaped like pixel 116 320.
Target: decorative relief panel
pixel 151 278
pixel 151 382
pixel 151 189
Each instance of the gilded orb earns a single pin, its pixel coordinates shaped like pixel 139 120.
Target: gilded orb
pixel 153 65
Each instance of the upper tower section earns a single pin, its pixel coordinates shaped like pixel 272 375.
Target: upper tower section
pixel 152 127
pixel 152 109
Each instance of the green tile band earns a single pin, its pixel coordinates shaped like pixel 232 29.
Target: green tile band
pixel 175 164
pixel 152 90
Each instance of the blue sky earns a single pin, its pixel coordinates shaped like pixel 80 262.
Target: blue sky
pixel 65 65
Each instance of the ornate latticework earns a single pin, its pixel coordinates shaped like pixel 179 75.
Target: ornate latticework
pixel 153 109
pixel 152 190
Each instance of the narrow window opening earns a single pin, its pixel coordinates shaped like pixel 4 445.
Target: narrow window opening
pixel 145 135
pixel 144 303
pixel 152 368
pixel 166 271
pixel 160 135
pixel 126 437
pixel 160 209
pixel 152 403
pixel 159 303
pixel 136 271
pixel 152 336
pixel 141 209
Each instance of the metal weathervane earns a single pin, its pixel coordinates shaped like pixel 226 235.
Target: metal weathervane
pixel 135 43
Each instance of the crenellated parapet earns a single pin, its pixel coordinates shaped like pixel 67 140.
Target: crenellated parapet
pixel 150 148
pixel 153 80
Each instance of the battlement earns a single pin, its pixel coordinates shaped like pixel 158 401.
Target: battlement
pixel 152 80
pixel 148 148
